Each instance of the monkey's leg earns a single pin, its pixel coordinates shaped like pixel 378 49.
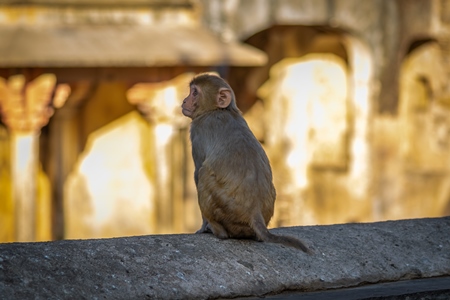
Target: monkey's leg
pixel 218 230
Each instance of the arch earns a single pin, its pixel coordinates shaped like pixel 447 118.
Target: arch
pixel 418 43
pixel 422 89
pixel 279 42
pixel 341 175
pixel 424 121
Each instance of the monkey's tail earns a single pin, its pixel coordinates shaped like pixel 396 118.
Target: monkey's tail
pixel 264 235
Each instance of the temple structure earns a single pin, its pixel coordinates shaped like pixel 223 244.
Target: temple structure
pixel 349 98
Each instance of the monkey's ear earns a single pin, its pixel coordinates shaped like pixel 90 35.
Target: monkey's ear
pixel 223 98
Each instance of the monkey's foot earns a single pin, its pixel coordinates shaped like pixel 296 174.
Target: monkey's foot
pixel 205 228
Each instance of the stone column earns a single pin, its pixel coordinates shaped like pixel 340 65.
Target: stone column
pixel 25 109
pixel 160 104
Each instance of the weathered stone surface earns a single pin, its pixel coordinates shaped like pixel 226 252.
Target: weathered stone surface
pixel 202 266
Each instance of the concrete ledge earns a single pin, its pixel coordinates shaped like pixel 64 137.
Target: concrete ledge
pixel 201 266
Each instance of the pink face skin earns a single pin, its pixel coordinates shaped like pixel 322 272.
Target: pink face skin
pixel 190 103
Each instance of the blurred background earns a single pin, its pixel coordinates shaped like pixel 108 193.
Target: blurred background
pixel 350 99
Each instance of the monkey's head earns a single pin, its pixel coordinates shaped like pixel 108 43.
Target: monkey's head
pixel 207 93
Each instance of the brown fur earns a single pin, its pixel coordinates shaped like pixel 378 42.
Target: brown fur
pixel 232 172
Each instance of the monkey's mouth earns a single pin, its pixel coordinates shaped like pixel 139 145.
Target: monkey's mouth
pixel 186 112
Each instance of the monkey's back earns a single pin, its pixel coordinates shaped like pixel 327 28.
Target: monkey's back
pixel 235 176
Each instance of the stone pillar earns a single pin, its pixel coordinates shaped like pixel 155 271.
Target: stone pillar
pixel 160 104
pixel 24 172
pixel 25 109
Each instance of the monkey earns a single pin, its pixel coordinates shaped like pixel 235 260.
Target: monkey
pixel 232 173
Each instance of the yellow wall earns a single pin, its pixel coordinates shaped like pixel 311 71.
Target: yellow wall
pixel 6 202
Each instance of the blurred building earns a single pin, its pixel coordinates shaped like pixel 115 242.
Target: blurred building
pixel 349 98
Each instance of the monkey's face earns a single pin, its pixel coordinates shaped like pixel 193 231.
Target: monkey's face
pixel 190 103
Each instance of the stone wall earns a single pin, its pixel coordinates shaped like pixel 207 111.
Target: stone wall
pixel 204 267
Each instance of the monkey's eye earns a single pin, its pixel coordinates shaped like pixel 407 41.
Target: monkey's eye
pixel 194 92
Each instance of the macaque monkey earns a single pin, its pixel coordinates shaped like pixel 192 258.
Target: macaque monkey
pixel 232 172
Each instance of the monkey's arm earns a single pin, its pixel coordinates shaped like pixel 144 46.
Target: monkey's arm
pixel 198 162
